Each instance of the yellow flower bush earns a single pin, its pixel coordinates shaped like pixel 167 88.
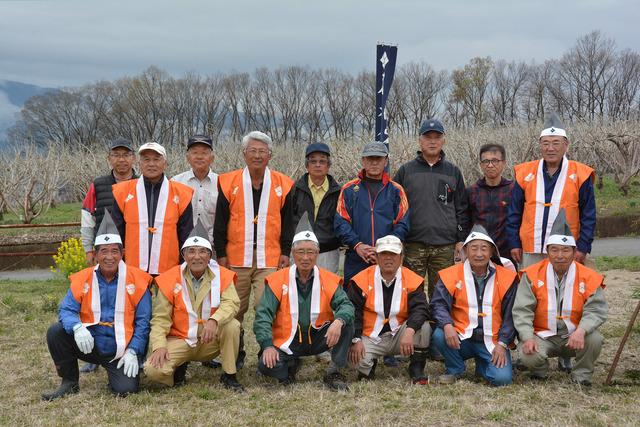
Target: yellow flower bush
pixel 69 259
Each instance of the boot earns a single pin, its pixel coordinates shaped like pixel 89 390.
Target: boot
pixel 241 353
pixel 66 387
pixel 180 375
pixel 372 372
pixel 230 382
pixel 418 362
pixel 336 382
pixel 564 364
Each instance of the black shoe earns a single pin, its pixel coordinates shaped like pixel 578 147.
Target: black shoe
pixel 372 372
pixel 287 381
pixel 390 361
pixel 240 359
pixel 230 382
pixel 89 367
pixel 66 387
pixel 293 368
pixel 416 372
pixel 583 383
pixel 565 365
pixel 537 377
pixel 180 375
pixel 336 382
pixel 213 364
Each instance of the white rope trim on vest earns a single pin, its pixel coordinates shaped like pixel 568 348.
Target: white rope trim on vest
pixel 556 198
pixel 150 263
pixel 378 303
pixel 567 301
pixel 212 300
pixel 487 309
pixel 192 334
pixel 247 192
pixel 118 315
pixel 292 290
pixel 472 302
pixel 263 209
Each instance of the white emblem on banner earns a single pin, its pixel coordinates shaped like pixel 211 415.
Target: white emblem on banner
pixel 131 288
pixel 581 287
pixel 129 197
pixel 85 288
pixel 285 289
pixel 177 289
pixel 540 283
pixel 529 177
pixel 278 191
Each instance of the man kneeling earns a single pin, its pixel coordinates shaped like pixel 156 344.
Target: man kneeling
pixel 303 312
pixel 558 308
pixel 194 316
pixel 104 318
pixel 472 307
pixel 391 313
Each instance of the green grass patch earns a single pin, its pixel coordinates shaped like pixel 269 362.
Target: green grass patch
pixel 631 263
pixel 611 202
pixel 66 212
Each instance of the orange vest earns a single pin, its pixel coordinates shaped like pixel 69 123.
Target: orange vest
pixel 283 285
pixel 580 283
pixel 566 195
pixel 370 283
pixel 186 319
pixel 173 200
pixel 132 284
pixel 458 279
pixel 236 186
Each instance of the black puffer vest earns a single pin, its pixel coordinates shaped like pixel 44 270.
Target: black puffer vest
pixel 104 195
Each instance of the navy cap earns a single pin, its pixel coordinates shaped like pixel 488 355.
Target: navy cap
pixel 200 139
pixel 431 125
pixel 317 147
pixel 121 142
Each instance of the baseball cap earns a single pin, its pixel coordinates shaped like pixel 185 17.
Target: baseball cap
pixel 376 148
pixel 431 125
pixel 389 243
pixel 317 147
pixel 121 142
pixel 153 146
pixel 200 139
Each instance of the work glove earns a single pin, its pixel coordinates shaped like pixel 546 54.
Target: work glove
pixel 130 362
pixel 83 338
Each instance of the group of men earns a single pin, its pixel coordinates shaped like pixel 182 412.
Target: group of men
pixel 430 266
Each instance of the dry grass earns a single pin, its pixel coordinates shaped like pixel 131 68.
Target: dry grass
pixel 27 309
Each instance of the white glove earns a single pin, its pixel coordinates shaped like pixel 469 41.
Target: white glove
pixel 130 362
pixel 83 338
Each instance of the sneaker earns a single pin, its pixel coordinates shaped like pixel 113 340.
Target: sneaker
pixel 390 361
pixel 372 373
pixel 336 382
pixel 583 383
pixel 230 382
pixel 416 372
pixel 565 365
pixel 213 363
pixel 88 368
pixel 448 379
pixel 180 375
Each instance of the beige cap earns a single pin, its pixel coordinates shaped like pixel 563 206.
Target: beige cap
pixel 153 146
pixel 389 244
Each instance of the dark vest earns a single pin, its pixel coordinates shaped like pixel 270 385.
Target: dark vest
pixel 104 195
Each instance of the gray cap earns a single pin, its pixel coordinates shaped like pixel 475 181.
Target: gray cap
pixel 375 149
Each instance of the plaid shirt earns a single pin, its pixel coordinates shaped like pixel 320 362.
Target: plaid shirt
pixel 488 206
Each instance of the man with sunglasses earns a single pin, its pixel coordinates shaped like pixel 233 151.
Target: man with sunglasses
pixel 489 196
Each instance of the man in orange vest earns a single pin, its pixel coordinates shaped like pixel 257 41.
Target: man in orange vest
pixel 542 188
pixel 391 313
pixel 471 305
pixel 558 308
pixel 194 316
pixel 254 222
pixel 153 214
pixel 303 312
pixel 104 319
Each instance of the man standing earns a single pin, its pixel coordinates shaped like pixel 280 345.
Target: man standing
pixel 558 308
pixel 153 214
pixel 369 207
pixel 254 222
pixel 439 217
pixel 391 313
pixel 193 316
pixel 202 180
pixel 316 192
pixel 542 188
pixel 303 312
pixel 121 158
pixel 104 319
pixel 472 308
pixel 489 196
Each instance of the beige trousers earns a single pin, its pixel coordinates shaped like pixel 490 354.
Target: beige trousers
pixel 250 278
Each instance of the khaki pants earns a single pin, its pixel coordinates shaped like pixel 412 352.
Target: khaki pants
pixel 427 260
pixel 389 345
pixel 555 346
pixel 225 344
pixel 250 278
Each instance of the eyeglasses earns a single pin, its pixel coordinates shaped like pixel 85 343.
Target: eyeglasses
pixel 196 251
pixel 120 156
pixel 320 162
pixel 256 152
pixel 307 252
pixel 554 145
pixel 487 162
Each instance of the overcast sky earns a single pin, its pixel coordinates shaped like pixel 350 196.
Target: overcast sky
pixel 61 43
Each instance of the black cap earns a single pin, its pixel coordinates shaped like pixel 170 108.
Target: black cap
pixel 431 125
pixel 318 147
pixel 200 139
pixel 121 142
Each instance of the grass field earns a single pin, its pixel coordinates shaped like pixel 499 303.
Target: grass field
pixel 28 308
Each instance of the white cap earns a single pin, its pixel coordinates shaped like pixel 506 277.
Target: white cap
pixel 153 146
pixel 389 243
pixel 198 237
pixel 305 235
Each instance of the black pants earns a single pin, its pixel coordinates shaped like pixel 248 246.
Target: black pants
pixel 65 354
pixel 317 345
